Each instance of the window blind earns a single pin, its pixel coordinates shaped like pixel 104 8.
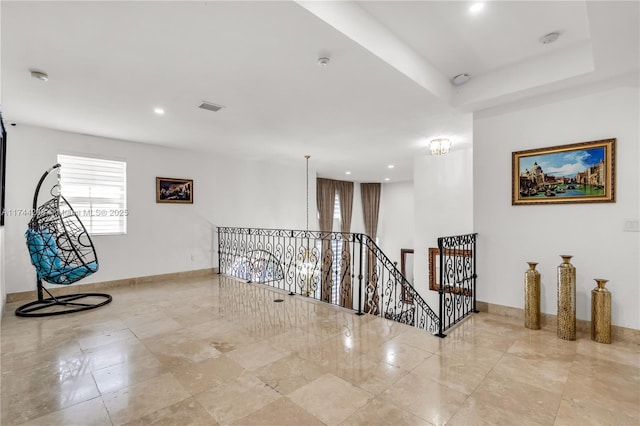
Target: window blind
pixel 96 190
pixel 336 209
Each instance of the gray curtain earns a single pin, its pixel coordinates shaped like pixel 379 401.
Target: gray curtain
pixel 370 207
pixel 345 193
pixel 326 199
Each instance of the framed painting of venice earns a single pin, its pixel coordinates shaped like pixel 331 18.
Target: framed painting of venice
pixel 577 173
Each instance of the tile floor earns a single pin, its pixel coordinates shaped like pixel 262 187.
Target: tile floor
pixel 207 351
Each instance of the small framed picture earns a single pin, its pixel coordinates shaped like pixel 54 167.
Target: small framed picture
pixel 171 190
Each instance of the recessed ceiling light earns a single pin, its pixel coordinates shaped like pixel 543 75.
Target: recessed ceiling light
pixel 390 166
pixel 39 75
pixel 158 111
pixel 476 7
pixel 387 179
pixel 347 173
pixel 460 79
pixel 549 38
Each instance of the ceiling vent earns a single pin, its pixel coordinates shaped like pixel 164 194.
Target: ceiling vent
pixel 210 106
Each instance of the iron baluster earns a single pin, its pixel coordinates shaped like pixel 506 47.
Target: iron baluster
pixel 360 283
pixel 219 253
pixel 441 294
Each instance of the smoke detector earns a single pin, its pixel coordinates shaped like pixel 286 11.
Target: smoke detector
pixel 42 76
pixel 460 79
pixel 323 61
pixel 549 38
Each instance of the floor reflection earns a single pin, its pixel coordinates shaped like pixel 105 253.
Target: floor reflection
pixel 218 350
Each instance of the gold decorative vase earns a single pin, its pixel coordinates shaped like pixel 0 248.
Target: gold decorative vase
pixel 601 313
pixel 566 299
pixel 532 297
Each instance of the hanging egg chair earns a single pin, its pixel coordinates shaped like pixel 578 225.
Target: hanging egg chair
pixel 61 252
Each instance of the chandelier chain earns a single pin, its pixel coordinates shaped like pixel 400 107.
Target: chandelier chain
pixel 307 158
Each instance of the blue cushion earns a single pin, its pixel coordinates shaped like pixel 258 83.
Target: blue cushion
pixel 44 252
pixel 71 274
pixel 44 257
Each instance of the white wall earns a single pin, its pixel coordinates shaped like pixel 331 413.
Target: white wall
pixel 396 219
pixel 161 238
pixel 357 217
pixel 443 191
pixel 3 291
pixel 260 194
pixel 509 236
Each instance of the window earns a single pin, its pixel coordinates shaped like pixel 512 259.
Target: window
pixel 336 211
pixel 96 190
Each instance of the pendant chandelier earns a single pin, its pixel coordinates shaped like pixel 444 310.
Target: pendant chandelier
pixel 439 146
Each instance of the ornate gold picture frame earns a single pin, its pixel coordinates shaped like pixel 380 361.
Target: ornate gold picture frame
pixel 434 269
pixel 576 173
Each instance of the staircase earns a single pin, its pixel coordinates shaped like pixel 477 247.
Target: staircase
pixel 350 270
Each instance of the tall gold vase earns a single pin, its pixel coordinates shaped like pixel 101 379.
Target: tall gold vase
pixel 566 299
pixel 532 297
pixel 601 313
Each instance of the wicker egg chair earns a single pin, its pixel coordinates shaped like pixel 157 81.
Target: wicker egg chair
pixel 61 252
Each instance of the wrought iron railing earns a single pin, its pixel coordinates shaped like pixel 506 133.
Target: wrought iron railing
pixel 457 278
pixel 345 269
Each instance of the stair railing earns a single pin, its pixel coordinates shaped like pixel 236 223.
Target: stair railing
pixel 345 269
pixel 457 279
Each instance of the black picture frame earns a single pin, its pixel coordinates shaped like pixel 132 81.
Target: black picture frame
pixel 3 166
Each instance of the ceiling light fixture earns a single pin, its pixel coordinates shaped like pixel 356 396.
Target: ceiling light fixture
pixel 387 179
pixel 323 61
pixel 42 76
pixel 390 166
pixel 306 158
pixel 347 173
pixel 158 111
pixel 439 146
pixel 476 7
pixel 549 38
pixel 460 79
